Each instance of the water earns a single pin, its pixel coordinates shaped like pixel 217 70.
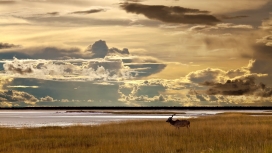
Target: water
pixel 42 118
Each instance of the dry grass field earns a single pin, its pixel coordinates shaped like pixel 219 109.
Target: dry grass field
pixel 223 133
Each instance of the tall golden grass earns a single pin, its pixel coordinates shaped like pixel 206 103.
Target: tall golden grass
pixel 224 133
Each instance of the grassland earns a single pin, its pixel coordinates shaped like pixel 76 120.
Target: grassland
pixel 223 133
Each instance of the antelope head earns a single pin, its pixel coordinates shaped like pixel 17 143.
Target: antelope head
pixel 170 118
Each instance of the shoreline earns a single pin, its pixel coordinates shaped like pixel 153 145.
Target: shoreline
pixel 56 119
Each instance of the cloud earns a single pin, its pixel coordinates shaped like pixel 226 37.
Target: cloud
pixel 221 26
pixel 156 92
pixel 141 59
pixel 71 21
pixel 64 100
pixel 89 11
pixel 221 76
pixel 9 98
pixel 233 17
pixel 144 100
pixel 232 82
pixel 227 100
pixel 43 53
pixel 20 86
pixel 262 54
pixel 113 51
pixel 6 2
pixel 100 49
pixel 17 96
pixel 4 81
pixel 77 69
pixel 161 92
pixel 210 43
pixel 47 99
pixel 169 14
pixel 104 60
pixel 142 66
pixel 146 69
pixel 19 69
pixel 209 74
pixel 134 1
pixel 243 86
pixel 267 40
pixel 267 24
pixel 7 45
pixel 53 13
pixel 60 2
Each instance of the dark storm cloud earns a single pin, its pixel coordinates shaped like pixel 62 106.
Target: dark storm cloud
pixel 7 2
pixel 244 86
pixel 7 45
pixel 88 11
pixel 171 14
pixel 114 50
pixel 53 13
pixel 100 49
pixel 233 17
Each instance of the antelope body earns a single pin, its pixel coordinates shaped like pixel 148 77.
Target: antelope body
pixel 178 123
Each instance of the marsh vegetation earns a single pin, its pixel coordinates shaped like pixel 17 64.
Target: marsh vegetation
pixel 230 133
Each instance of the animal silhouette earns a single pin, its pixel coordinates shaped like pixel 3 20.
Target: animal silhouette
pixel 178 123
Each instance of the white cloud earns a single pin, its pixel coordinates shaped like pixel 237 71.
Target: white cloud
pixel 69 70
pixel 21 86
pixel 47 99
pixel 221 26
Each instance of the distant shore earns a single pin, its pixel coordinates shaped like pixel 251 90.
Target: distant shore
pixel 125 112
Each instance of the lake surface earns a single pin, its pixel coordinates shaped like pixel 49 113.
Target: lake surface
pixel 42 118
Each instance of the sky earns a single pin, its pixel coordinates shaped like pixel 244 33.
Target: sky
pixel 135 53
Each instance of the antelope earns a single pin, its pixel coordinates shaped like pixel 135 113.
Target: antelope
pixel 178 123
